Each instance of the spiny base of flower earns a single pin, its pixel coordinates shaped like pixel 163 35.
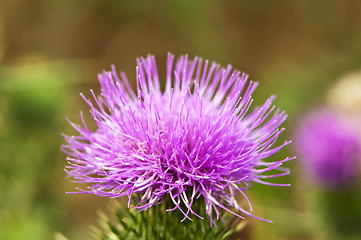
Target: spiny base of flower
pixel 157 223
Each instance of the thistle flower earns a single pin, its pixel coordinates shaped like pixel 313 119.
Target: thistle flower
pixel 329 146
pixel 193 141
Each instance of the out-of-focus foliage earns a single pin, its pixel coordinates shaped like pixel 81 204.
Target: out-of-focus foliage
pixel 51 50
pixel 32 104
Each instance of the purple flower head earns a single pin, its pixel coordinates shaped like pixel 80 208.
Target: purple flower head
pixel 192 141
pixel 329 147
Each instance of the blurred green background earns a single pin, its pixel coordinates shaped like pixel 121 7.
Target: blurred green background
pixel 52 50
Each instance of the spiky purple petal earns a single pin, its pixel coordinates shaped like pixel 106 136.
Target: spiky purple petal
pixel 194 139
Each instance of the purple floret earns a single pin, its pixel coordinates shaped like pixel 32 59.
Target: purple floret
pixel 329 146
pixel 192 141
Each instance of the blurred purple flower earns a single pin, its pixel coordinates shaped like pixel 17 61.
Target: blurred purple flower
pixel 192 140
pixel 329 147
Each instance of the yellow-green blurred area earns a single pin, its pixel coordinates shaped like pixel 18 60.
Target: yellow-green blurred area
pixel 52 50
